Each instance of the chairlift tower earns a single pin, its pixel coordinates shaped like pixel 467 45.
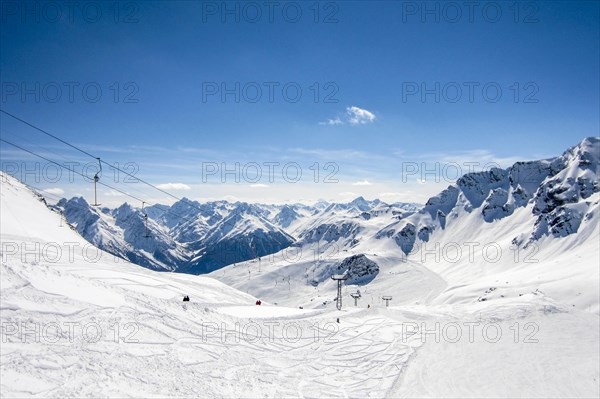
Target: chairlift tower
pixel 356 296
pixel 340 278
pixel 387 300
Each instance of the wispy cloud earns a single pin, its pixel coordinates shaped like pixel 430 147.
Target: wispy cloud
pixel 470 159
pixel 353 116
pixel 332 122
pixel 361 183
pixel 113 193
pixel 359 116
pixel 54 191
pixel 258 185
pixel 384 195
pixel 174 186
pixel 337 154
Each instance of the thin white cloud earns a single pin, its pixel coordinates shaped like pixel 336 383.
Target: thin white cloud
pixel 332 122
pixel 259 185
pixel 231 198
pixel 113 193
pixel 337 154
pixel 361 183
pixel 472 160
pixel 354 116
pixel 359 116
pixel 383 195
pixel 55 191
pixel 174 186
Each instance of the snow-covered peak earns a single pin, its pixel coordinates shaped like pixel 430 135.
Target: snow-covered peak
pixel 556 192
pixel 286 216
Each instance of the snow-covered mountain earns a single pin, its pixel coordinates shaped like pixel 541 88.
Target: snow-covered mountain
pixel 122 232
pixel 559 194
pixel 186 237
pixel 493 235
pixel 529 211
pixel 81 324
pixel 286 216
pixel 194 237
pixel 244 233
pixel 525 206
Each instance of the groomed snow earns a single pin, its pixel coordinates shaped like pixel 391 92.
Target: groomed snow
pixel 124 330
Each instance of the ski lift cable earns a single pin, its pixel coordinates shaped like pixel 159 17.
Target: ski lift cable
pixel 99 160
pixel 58 198
pixel 45 193
pixel 169 211
pixel 88 154
pixel 42 192
pixel 45 132
pixel 31 143
pixel 69 169
pixel 42 149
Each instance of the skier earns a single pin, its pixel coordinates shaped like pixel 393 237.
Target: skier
pixel 258 302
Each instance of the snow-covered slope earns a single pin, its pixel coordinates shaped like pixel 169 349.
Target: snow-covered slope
pixel 122 232
pixel 495 235
pixel 559 194
pixel 532 227
pixel 79 322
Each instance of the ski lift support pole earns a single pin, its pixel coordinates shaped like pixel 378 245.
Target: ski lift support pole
pixel 340 278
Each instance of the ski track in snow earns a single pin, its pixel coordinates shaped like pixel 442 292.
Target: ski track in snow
pixel 173 357
pixel 165 347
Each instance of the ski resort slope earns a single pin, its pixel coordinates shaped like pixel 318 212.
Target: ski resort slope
pixel 77 322
pixel 566 269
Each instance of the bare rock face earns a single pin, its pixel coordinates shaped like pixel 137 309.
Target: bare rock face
pixel 359 269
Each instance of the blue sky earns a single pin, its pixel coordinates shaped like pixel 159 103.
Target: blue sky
pixel 361 67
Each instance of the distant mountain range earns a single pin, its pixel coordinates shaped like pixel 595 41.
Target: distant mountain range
pixel 194 237
pixel 496 235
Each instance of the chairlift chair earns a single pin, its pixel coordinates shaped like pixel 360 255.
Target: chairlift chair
pixel 96 179
pixel 146 235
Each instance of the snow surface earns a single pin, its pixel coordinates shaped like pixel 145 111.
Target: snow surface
pixel 219 344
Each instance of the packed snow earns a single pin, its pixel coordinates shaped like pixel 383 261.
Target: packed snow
pixel 77 321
